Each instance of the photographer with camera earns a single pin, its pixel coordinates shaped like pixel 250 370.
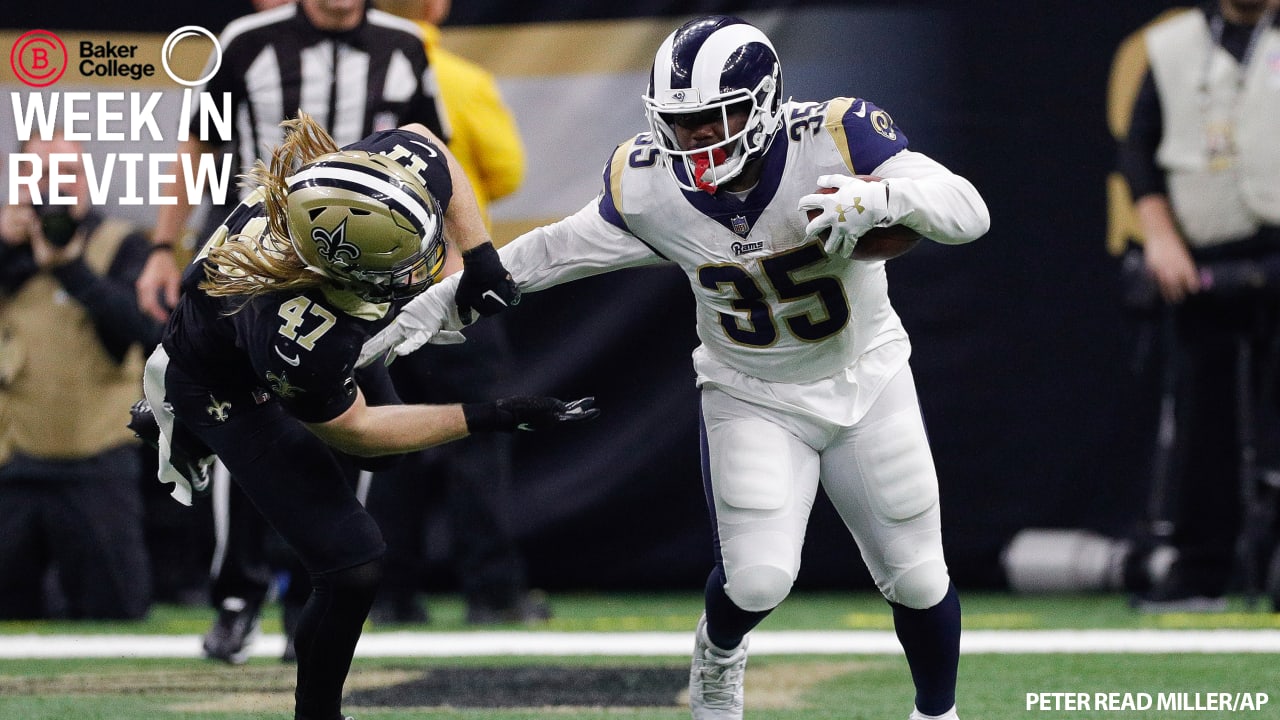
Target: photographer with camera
pixel 72 342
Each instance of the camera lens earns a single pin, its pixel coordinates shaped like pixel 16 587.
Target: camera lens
pixel 58 225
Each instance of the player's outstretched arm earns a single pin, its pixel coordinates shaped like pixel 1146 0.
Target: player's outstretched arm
pixel 578 246
pixel 367 430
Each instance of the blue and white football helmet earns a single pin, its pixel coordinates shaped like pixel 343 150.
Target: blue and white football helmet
pixel 714 63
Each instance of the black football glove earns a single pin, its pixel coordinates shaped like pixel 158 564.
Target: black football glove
pixel 187 453
pixel 486 287
pixel 526 413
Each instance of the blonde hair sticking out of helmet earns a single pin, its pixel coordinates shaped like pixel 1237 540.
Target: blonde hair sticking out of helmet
pixel 259 263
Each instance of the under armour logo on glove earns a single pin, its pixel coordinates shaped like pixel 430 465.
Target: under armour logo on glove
pixel 843 210
pixel 486 287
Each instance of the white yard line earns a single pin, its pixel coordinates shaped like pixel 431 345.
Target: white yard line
pixel 869 642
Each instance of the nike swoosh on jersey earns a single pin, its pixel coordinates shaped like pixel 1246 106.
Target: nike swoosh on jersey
pixel 430 150
pixel 294 361
pixel 862 109
pixel 493 295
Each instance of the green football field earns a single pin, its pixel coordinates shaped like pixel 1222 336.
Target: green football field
pixel 625 656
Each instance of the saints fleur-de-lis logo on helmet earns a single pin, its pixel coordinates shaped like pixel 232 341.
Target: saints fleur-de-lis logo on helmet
pixel 333 245
pixel 367 222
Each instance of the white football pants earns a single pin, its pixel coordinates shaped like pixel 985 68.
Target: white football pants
pixel 765 466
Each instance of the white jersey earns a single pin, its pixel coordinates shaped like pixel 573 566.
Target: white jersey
pixel 779 320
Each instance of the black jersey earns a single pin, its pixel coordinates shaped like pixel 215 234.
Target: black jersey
pixel 299 347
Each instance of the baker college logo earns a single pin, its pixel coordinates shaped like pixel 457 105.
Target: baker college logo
pixel 39 58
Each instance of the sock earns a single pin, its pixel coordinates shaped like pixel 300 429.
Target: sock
pixel 948 715
pixel 326 638
pixel 727 624
pixel 931 640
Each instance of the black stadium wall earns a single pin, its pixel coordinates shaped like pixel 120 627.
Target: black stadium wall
pixel 1024 360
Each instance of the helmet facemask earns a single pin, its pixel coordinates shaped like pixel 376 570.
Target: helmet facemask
pixel 404 281
pixel 711 67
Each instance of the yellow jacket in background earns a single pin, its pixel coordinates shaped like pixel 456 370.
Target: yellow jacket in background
pixel 485 138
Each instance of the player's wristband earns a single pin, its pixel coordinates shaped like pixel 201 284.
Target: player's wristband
pixel 484 417
pixel 484 254
pixel 161 247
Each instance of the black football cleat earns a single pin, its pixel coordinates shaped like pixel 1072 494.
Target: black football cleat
pixel 233 631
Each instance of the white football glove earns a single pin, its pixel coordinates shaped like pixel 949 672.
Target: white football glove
pixel 854 208
pixel 432 317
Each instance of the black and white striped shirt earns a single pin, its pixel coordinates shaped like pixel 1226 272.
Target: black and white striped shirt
pixel 374 77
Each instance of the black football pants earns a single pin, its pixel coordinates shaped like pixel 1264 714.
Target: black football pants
pixel 297 484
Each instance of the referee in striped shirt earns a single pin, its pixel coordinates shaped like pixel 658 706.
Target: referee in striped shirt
pixel 354 69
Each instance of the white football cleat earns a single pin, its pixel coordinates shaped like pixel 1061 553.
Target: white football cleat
pixel 716 678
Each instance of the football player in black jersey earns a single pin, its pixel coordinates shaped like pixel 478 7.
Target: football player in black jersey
pixel 258 358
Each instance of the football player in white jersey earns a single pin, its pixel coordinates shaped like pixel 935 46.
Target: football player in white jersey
pixel 803 362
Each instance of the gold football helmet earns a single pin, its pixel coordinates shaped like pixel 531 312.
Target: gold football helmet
pixel 367 222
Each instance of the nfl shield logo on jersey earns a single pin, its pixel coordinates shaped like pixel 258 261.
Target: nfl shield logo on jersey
pixel 740 225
